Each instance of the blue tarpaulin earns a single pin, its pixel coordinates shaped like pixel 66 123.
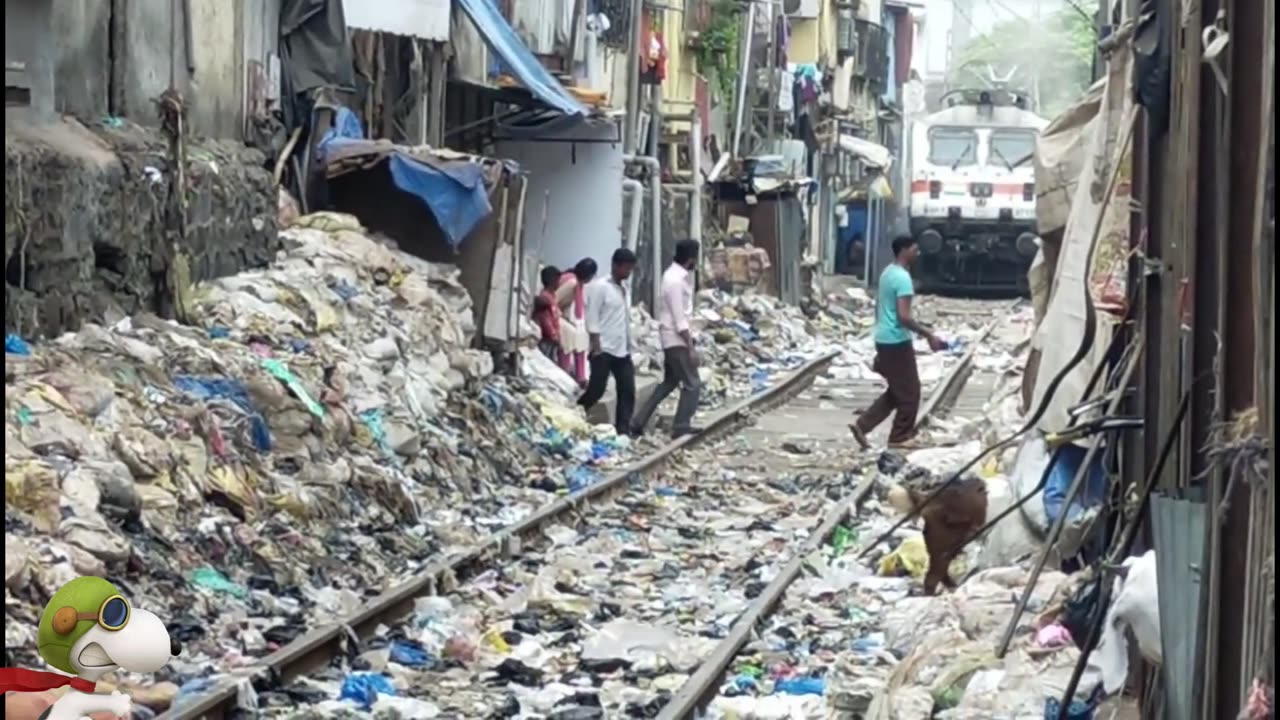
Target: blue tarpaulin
pixel 455 193
pixel 504 42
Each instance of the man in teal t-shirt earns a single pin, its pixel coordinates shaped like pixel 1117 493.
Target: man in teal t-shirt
pixel 895 356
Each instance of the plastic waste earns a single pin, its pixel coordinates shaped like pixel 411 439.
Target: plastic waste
pixel 800 686
pixel 209 578
pixel 284 375
pixel 15 345
pixel 1079 709
pixel 911 557
pixel 842 538
pixel 410 654
pixel 364 688
pixel 582 477
pixel 1053 636
pixel 207 388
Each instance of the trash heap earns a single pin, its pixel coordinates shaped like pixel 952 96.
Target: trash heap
pixel 853 637
pixel 322 431
pixel 748 340
pixel 603 620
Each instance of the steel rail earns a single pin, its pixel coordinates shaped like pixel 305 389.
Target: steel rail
pixel 315 648
pixel 704 684
pixel 948 390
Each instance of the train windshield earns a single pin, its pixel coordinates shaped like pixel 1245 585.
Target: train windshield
pixel 953 147
pixel 1011 148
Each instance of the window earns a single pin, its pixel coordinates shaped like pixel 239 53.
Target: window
pixel 953 147
pixel 1011 147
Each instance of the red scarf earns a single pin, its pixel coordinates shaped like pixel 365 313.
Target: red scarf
pixel 20 680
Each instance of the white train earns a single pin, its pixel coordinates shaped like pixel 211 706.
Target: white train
pixel 973 201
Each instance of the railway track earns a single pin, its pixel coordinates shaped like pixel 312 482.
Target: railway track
pixel 634 522
pixel 723 672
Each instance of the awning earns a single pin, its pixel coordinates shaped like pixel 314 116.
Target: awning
pixel 877 156
pixel 502 40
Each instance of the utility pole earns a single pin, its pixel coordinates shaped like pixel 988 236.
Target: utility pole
pixel 744 82
pixel 770 133
pixel 1102 30
pixel 1035 68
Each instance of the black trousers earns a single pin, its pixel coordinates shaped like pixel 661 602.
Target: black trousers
pixel 624 375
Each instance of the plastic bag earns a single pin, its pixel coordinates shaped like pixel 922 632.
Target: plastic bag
pixel 364 688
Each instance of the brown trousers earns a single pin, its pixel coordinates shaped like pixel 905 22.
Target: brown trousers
pixel 897 364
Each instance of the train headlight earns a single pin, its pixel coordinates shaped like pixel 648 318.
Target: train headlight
pixel 1028 244
pixel 930 241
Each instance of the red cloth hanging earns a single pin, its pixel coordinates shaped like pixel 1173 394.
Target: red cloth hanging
pixel 653 54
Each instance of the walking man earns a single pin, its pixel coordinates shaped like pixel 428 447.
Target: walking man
pixel 608 323
pixel 895 356
pixel 679 355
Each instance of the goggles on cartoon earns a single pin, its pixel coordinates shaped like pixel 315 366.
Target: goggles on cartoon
pixel 112 615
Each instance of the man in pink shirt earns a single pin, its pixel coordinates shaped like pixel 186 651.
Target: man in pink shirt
pixel 679 354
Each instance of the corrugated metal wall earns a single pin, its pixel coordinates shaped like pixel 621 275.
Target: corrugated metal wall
pixel 1198 168
pixel 542 24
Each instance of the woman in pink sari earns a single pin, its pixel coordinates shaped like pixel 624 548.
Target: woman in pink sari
pixel 571 295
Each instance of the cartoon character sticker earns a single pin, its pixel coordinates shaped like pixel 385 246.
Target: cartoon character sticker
pixel 87 630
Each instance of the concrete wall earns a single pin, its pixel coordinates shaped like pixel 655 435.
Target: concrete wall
pixel 82 34
pixel 152 56
pixel 149 54
pixel 86 222
pixel 573 208
pixel 26 24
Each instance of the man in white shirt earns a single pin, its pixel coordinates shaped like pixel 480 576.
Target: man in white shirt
pixel 679 353
pixel 608 321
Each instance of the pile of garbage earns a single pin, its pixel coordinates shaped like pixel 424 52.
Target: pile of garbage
pixel 747 341
pixel 605 619
pixel 324 431
pixel 854 638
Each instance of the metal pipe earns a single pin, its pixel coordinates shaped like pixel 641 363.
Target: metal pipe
pixel 635 190
pixel 695 155
pixel 633 78
pixel 655 187
pixel 772 55
pixel 655 141
pixel 745 71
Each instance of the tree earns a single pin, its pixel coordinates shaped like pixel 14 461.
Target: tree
pixel 1057 53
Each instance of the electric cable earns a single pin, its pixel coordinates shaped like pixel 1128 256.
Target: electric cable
pixel 1120 550
pixel 1051 391
pixel 1053 458
pixel 1055 531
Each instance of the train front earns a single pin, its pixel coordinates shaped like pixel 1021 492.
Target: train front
pixel 973 203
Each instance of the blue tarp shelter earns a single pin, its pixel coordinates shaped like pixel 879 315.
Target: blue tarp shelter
pixel 455 192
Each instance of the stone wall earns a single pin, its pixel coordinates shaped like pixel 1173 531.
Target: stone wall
pixel 86 230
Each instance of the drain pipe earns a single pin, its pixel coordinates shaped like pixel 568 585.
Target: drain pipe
pixel 633 189
pixel 695 200
pixel 655 187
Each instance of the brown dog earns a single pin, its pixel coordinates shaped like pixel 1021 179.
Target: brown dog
pixel 955 514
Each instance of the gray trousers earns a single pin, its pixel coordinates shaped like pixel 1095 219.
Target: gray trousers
pixel 679 371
